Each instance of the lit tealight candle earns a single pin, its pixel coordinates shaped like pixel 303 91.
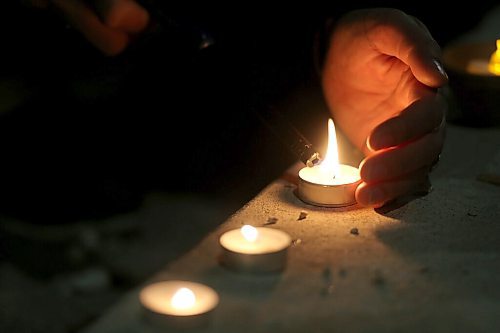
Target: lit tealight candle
pixel 258 250
pixel 180 304
pixel 330 183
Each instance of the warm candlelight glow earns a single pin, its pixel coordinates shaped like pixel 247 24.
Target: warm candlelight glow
pixel 329 184
pixel 178 303
pixel 330 165
pixel 255 249
pixel 251 240
pixel 249 233
pixel 330 171
pixel 494 64
pixel 183 298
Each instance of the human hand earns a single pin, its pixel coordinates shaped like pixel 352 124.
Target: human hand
pixel 109 25
pixel 380 80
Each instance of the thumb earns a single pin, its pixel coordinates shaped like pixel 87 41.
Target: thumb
pixel 394 33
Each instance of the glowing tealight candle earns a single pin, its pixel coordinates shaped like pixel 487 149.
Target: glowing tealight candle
pixel 180 304
pixel 494 64
pixel 330 183
pixel 253 249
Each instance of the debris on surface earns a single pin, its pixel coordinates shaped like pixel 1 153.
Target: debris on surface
pixel 302 215
pixel 328 278
pixel 471 214
pixel 328 290
pixel 271 220
pixel 327 275
pixel 296 241
pixel 378 280
pixel 355 231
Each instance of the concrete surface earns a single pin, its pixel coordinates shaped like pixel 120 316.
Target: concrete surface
pixel 432 265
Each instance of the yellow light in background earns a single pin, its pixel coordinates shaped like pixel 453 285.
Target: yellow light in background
pixel 494 65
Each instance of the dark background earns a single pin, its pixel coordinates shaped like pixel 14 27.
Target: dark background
pixel 92 133
pixel 85 139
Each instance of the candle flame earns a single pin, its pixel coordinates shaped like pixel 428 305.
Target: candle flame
pixel 330 165
pixel 249 233
pixel 494 64
pixel 183 298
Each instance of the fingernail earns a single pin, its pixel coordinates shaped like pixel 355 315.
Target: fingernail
pixel 440 68
pixel 375 196
pixel 373 142
pixel 368 143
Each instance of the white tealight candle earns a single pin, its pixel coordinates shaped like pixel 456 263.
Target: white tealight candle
pixel 180 304
pixel 251 249
pixel 330 183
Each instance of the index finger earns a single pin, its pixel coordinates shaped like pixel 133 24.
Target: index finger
pixel 418 119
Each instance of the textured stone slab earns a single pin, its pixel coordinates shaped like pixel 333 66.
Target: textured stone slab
pixel 431 265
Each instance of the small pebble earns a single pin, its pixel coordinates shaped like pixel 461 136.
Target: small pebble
pixel 296 241
pixel 378 280
pixel 271 220
pixel 302 215
pixel 355 231
pixel 471 214
pixel 328 290
pixel 327 274
pixel 328 278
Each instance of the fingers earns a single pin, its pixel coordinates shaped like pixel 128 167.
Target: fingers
pixel 394 163
pixel 403 151
pixel 376 195
pixel 421 117
pixel 109 41
pixel 125 15
pixel 394 33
